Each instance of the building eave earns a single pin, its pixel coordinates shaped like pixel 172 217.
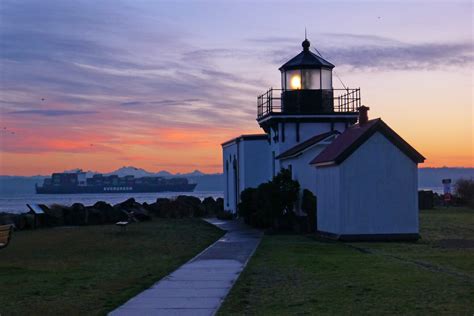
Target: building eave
pixel 245 137
pixel 301 148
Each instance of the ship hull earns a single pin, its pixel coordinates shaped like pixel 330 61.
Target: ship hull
pixel 148 188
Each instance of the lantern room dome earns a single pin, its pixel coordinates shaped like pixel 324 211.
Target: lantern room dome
pixel 306 60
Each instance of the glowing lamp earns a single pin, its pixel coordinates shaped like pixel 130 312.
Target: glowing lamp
pixel 295 82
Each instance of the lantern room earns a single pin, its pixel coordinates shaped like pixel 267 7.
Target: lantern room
pixel 307 83
pixel 307 89
pixel 306 71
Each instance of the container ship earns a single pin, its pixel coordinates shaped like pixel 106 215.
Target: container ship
pixel 77 182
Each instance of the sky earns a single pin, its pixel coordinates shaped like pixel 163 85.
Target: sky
pixel 160 85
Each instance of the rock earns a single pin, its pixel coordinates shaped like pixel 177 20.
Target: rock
pixel 25 221
pixel 188 206
pixel 131 206
pixel 95 216
pixel 220 204
pixel 77 215
pixel 54 215
pixel 142 215
pixel 211 207
pixel 161 208
pixel 111 214
pixel 8 218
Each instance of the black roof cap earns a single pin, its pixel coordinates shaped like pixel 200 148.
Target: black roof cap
pixel 306 59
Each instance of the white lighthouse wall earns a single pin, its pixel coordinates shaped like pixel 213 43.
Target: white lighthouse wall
pixel 251 168
pixel 280 144
pixel 377 192
pixel 301 170
pixel 257 165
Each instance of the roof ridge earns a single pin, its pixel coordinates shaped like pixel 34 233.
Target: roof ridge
pixel 313 140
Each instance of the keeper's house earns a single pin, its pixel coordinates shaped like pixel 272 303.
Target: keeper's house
pixel 363 174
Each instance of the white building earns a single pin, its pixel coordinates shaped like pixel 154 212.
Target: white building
pixel 367 184
pixel 246 165
pixel 305 119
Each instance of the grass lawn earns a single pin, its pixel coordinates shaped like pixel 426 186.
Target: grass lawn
pixel 91 270
pixel 291 274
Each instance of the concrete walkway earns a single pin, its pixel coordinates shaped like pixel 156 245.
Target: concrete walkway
pixel 199 286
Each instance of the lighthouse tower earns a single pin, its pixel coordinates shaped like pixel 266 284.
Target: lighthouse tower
pixel 306 105
pixel 299 120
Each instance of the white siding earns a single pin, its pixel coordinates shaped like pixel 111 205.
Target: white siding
pixel 257 167
pixel 328 196
pixel 302 171
pixel 377 192
pixel 253 167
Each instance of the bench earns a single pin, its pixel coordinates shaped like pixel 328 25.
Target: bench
pixel 5 235
pixel 122 225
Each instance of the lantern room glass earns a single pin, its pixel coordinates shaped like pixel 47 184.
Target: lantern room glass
pixel 293 80
pixel 308 79
pixel 326 79
pixel 311 79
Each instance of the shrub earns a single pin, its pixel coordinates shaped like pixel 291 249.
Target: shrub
pixel 464 189
pixel 210 206
pixel 248 204
pixel 220 204
pixel 309 206
pixel 271 204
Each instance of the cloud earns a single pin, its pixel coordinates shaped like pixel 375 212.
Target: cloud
pixel 52 112
pixel 371 52
pixel 404 56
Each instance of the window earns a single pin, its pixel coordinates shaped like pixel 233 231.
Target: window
pixel 311 79
pixel 326 78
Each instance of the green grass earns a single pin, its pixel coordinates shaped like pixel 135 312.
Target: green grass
pixel 91 270
pixel 300 275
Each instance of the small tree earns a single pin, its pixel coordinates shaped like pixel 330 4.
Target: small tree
pixel 309 206
pixel 248 204
pixel 270 202
pixel 288 190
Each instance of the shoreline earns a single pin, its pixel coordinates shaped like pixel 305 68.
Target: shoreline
pixel 16 204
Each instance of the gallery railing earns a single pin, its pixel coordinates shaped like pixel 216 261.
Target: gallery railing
pixel 344 100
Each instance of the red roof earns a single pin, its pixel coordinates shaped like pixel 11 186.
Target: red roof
pixel 306 144
pixel 353 137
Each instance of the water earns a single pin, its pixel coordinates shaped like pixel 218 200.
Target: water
pixel 16 203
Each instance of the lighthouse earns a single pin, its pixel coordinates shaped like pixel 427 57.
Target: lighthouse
pixel 362 172
pixel 306 104
pixel 298 120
